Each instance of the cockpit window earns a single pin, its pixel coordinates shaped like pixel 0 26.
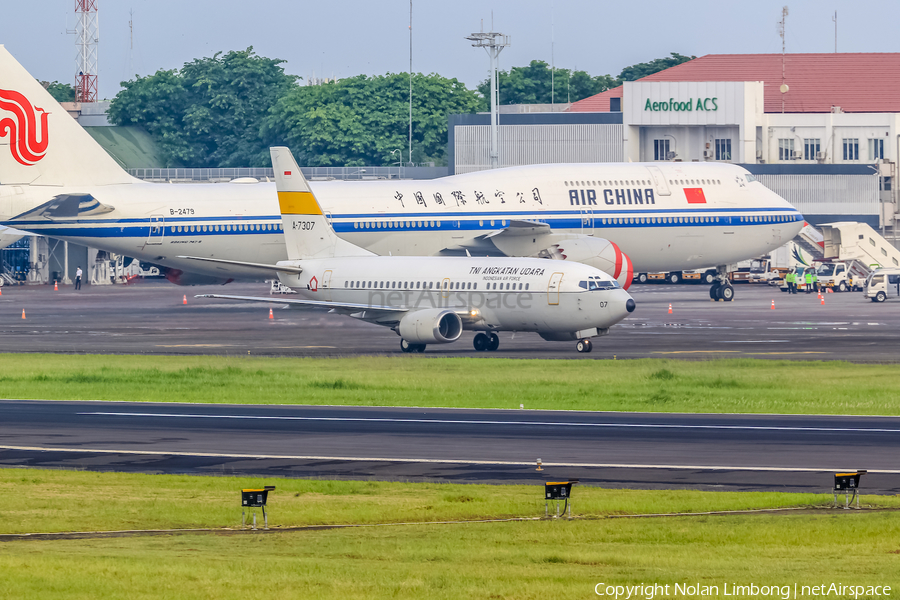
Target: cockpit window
pixel 596 283
pixel 750 178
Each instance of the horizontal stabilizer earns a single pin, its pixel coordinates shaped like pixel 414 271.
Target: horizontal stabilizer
pixel 67 206
pixel 238 263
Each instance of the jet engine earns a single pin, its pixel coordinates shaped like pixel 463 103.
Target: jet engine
pixel 597 252
pixel 430 326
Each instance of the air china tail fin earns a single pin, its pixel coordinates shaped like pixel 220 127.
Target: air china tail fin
pixel 306 230
pixel 40 144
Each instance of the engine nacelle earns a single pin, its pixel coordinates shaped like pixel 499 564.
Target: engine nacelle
pixel 596 252
pixel 431 326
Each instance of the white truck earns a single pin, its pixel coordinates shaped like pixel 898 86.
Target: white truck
pixel 842 275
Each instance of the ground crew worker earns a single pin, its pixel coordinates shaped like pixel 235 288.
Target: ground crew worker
pixel 815 278
pixel 790 279
pixel 808 279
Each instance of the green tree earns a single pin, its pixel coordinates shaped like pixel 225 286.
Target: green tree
pixel 533 85
pixel 61 92
pixel 210 112
pixel 635 72
pixel 361 120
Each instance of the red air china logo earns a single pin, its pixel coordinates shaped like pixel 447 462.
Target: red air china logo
pixel 22 128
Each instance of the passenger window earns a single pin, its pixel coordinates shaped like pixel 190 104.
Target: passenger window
pixel 526 286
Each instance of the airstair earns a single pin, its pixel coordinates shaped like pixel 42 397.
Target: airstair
pixel 850 241
pixel 811 241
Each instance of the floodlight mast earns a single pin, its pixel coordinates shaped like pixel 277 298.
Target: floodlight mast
pixel 493 43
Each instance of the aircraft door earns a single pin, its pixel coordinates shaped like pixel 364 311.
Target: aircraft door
pixel 659 181
pixel 157 229
pixel 445 288
pixel 553 289
pixel 326 285
pixel 587 221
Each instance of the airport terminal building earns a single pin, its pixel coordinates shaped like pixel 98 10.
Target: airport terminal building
pixel 822 130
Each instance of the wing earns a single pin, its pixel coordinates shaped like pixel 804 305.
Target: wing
pixel 366 312
pixel 277 268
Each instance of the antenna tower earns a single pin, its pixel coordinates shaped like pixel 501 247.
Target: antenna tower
pixel 493 43
pixel 781 29
pixel 87 37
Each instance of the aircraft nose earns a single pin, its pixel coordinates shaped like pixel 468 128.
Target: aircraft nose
pixel 629 306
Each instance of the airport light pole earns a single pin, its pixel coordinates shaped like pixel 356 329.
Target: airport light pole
pixel 493 43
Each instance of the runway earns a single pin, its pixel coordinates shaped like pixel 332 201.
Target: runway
pixel 634 450
pixel 149 318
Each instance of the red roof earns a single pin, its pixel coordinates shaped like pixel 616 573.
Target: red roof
pixel 863 83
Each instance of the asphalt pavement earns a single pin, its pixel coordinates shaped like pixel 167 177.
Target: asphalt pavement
pixel 151 318
pixel 633 450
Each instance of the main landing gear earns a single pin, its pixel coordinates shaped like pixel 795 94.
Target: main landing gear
pixel 486 342
pixel 407 347
pixel 584 345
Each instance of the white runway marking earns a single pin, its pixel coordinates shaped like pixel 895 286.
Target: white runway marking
pixel 445 461
pixel 486 422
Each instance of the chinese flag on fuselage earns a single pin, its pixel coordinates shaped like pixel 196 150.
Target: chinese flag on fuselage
pixel 694 195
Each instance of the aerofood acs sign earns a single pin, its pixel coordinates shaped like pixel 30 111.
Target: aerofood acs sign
pixel 676 105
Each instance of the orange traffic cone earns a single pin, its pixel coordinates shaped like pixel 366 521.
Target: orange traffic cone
pixel 184 300
pixel 823 300
pixel 773 304
pixel 670 308
pixel 1 290
pixel 271 316
pixel 23 313
pixel 55 287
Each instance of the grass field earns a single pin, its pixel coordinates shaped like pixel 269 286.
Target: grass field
pixel 742 385
pixel 88 501
pixel 533 559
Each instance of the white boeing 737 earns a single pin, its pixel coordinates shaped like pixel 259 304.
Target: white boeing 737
pixel 431 300
pixel 620 217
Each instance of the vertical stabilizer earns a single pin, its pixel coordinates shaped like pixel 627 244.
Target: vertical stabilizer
pixel 40 143
pixel 306 230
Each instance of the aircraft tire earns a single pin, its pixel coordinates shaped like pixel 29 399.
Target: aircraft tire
pixel 583 346
pixel 494 343
pixel 726 292
pixel 589 344
pixel 420 348
pixel 406 346
pixel 481 342
pixel 714 291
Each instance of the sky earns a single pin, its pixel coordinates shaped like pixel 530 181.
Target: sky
pixel 343 38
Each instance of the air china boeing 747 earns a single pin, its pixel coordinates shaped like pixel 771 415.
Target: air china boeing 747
pixel 620 217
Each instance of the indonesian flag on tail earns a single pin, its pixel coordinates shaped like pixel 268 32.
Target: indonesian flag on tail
pixel 694 195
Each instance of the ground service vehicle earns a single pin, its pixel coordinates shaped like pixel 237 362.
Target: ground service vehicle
pixel 882 284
